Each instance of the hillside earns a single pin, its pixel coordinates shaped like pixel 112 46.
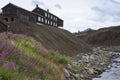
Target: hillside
pixel 52 38
pixel 23 58
pixel 102 37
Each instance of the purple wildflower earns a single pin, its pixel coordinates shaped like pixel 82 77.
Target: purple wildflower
pixel 9 48
pixel 26 71
pixel 1 46
pixel 3 54
pixel 1 37
pixel 10 65
pixel 32 63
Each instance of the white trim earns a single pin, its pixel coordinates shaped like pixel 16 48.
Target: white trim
pixel 39 23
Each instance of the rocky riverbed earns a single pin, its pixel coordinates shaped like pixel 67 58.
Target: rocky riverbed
pixel 113 71
pixel 87 66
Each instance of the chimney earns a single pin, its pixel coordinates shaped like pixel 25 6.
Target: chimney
pixel 47 10
pixel 36 5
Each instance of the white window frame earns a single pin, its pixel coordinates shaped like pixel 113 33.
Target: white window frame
pixel 42 20
pixel 56 24
pixel 45 21
pixel 51 16
pixel 51 22
pixel 45 14
pixel 48 22
pixel 56 19
pixel 39 18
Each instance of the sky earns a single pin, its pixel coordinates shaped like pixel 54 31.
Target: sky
pixel 78 15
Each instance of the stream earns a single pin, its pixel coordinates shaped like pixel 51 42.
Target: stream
pixel 113 71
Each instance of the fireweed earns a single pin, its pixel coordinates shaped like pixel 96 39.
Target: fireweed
pixel 23 58
pixel 12 58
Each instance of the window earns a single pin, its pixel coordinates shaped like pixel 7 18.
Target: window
pixel 42 19
pixel 48 22
pixel 51 16
pixel 37 9
pixel 6 19
pixel 12 19
pixel 56 19
pixel 45 14
pixel 24 17
pixel 51 22
pixel 45 21
pixel 39 18
pixel 54 24
pixel 1 14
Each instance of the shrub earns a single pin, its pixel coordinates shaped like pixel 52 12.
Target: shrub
pixel 63 60
pixel 58 58
pixel 79 68
pixel 9 74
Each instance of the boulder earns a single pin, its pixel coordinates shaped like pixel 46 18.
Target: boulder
pixel 67 74
pixel 91 71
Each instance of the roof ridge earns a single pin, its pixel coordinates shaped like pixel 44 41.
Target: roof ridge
pixel 23 9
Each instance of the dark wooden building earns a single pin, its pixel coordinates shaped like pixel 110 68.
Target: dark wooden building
pixel 11 12
pixel 3 27
pixel 49 18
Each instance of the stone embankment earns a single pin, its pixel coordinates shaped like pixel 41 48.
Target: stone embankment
pixel 112 48
pixel 87 66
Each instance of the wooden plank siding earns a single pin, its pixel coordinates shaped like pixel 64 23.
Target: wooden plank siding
pixel 3 27
pixel 9 11
pixel 26 16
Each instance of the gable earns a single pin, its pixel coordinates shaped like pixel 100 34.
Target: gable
pixel 9 6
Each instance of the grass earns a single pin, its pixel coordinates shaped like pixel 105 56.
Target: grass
pixel 22 59
pixel 79 68
pixel 58 58
pixel 8 74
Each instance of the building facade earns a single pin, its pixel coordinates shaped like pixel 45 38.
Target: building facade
pixel 11 12
pixel 49 18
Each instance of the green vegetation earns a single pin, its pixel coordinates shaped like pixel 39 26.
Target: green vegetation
pixel 21 59
pixel 58 58
pixel 8 74
pixel 79 68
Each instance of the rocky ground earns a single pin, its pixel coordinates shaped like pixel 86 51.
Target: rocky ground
pixel 112 48
pixel 87 66
pixel 113 71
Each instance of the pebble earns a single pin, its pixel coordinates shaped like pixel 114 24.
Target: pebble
pixel 92 65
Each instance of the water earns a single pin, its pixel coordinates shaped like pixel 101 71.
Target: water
pixel 114 72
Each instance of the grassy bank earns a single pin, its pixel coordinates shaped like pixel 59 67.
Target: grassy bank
pixel 22 58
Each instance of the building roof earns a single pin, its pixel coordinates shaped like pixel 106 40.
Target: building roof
pixel 22 9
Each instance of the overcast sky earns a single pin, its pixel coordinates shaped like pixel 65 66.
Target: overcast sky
pixel 77 14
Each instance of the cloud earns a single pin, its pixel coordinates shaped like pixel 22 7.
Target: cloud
pixel 116 1
pixel 58 6
pixel 37 2
pixel 106 10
